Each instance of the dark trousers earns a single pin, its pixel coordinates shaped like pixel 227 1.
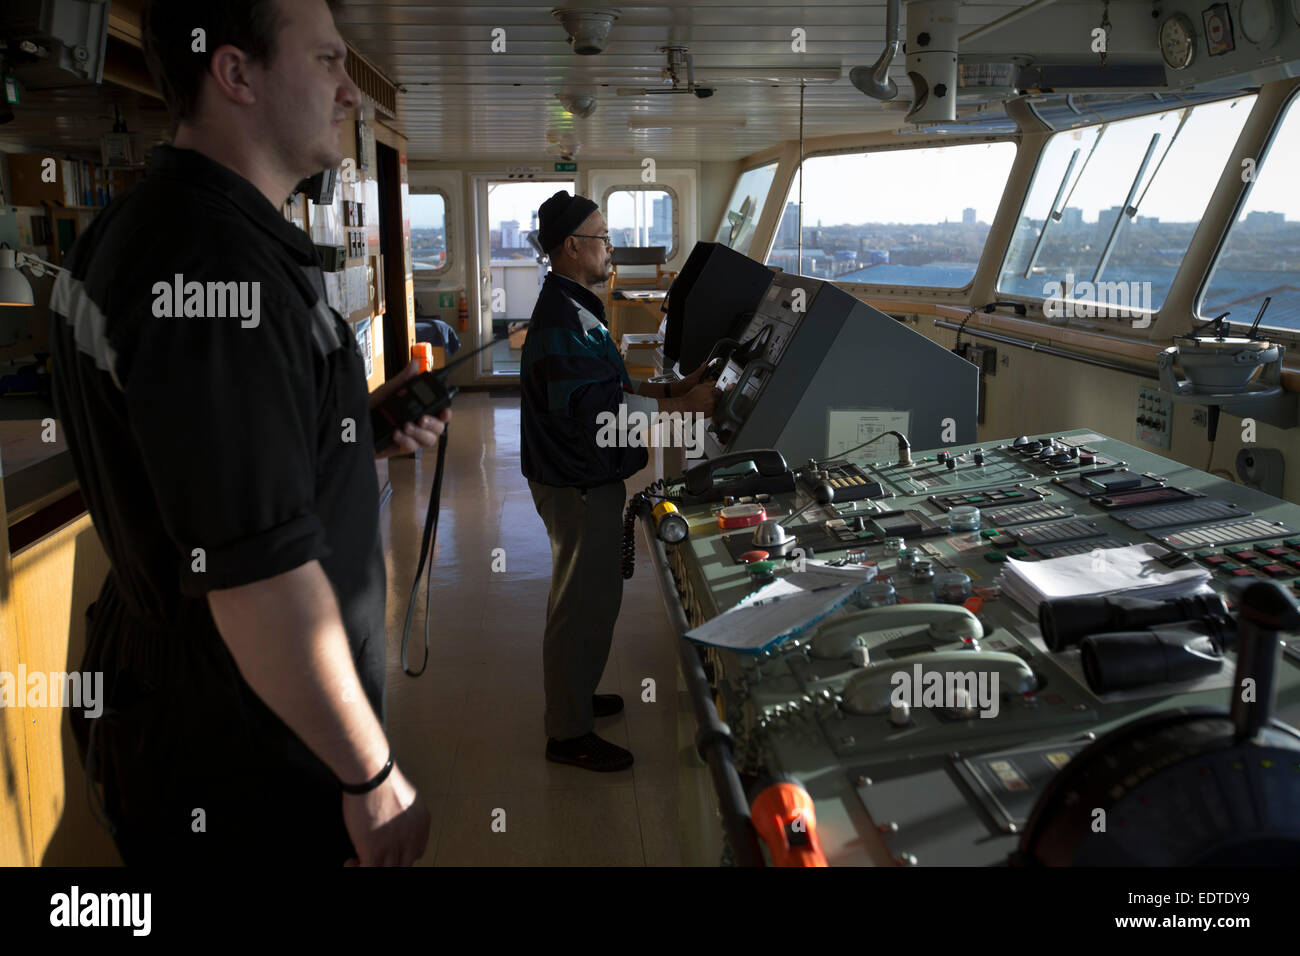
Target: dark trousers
pixel 195 768
pixel 586 532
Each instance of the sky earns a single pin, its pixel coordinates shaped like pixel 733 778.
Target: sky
pixel 929 185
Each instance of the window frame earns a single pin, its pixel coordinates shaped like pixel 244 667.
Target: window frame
pixel 446 229
pixel 1288 337
pixel 1110 325
pixel 886 290
pixel 649 187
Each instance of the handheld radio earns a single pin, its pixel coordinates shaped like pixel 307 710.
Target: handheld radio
pixel 426 394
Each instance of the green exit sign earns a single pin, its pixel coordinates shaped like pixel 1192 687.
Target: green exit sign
pixel 566 167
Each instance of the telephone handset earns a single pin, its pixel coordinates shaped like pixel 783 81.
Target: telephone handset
pixel 768 462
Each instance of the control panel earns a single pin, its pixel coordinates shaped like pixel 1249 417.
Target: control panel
pixel 1154 417
pixel 900 778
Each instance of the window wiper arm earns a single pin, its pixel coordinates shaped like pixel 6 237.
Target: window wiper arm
pixel 1187 114
pixel 1127 209
pixel 1058 207
pixel 1053 214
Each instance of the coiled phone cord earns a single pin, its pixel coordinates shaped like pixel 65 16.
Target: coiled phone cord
pixel 427 543
pixel 640 501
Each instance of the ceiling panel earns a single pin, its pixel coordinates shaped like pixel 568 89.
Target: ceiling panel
pixel 461 99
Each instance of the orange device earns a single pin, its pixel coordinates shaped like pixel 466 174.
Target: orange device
pixel 784 817
pixel 424 352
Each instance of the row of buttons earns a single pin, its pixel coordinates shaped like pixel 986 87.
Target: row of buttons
pixel 1274 559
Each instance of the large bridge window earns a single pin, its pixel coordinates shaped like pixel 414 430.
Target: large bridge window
pixel 1113 208
pixel 744 207
pixel 1261 256
pixel 915 217
pixel 428 212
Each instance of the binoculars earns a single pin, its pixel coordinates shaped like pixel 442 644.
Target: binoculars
pixel 1127 642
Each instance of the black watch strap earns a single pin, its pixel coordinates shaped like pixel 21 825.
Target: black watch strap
pixel 372 783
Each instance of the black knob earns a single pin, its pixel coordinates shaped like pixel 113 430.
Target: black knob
pixel 951 463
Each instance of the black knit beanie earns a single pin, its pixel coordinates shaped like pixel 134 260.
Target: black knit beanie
pixel 559 216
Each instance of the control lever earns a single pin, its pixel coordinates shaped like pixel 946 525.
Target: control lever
pixel 1263 610
pixel 823 494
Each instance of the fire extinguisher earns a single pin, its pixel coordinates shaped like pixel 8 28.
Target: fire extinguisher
pixel 464 314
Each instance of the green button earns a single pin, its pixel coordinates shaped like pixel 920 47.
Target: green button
pixel 995 557
pixel 1228 566
pixel 1292 542
pixel 865 534
pixel 976 498
pixel 1018 553
pixel 761 568
pixel 1260 562
pixel 1014 494
pixel 989 532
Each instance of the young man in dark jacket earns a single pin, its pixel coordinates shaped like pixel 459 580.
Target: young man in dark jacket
pixel 572 377
pixel 227 461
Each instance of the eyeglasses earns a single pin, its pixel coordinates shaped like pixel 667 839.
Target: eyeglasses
pixel 605 239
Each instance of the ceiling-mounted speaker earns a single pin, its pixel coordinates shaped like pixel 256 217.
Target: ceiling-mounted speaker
pixel 932 60
pixel 577 104
pixel 588 29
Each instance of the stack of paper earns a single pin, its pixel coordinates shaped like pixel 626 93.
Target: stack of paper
pixel 787 606
pixel 1133 570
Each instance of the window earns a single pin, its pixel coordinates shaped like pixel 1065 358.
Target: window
pixel 1261 255
pixel 744 207
pixel 914 217
pixel 641 217
pixel 1120 202
pixel 429 249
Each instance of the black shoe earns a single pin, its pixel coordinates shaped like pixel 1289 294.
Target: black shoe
pixel 606 705
pixel 589 752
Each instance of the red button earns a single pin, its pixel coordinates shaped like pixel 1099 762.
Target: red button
pixel 749 557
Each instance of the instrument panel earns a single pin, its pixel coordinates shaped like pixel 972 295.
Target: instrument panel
pixel 881 775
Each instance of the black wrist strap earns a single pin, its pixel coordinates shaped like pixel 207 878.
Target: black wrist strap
pixel 373 782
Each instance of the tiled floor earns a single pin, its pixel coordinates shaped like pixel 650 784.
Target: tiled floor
pixel 468 732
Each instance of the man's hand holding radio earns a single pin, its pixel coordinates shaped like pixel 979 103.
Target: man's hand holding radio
pixel 413 435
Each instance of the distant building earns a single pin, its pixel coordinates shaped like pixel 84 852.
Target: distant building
pixel 1266 221
pixel 661 219
pixel 1106 218
pixel 510 235
pixel 1072 217
pixel 968 217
